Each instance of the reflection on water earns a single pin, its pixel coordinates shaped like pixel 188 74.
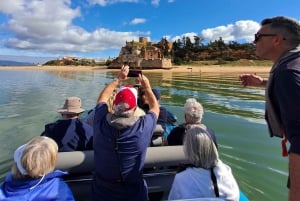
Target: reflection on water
pixel 29 99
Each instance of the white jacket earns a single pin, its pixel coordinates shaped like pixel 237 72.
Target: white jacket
pixel 196 183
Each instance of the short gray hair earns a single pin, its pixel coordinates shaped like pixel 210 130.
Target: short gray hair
pixel 288 27
pixel 199 148
pixel 193 111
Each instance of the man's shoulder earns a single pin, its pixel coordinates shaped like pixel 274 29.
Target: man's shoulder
pixel 294 64
pixel 51 126
pixel 178 131
pixel 59 124
pixel 101 109
pixel 179 128
pixel 147 121
pixel 290 62
pixel 288 71
pixel 99 106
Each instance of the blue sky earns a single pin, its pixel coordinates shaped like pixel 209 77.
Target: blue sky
pixel 99 28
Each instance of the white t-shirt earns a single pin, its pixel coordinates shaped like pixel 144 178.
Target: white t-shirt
pixel 196 183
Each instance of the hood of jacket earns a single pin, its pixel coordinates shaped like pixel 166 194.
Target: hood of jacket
pixel 13 187
pixel 121 122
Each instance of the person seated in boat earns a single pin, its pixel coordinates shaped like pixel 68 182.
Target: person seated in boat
pixel 121 140
pixel 165 119
pixel 70 133
pixel 160 133
pixel 193 114
pixel 206 176
pixel 33 176
pixel 163 114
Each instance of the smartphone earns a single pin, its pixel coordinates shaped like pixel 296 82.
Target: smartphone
pixel 134 73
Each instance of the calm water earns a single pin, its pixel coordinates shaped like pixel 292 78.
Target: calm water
pixel 29 99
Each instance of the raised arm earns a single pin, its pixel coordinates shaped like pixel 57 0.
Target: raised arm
pixel 252 80
pixel 109 89
pixel 153 104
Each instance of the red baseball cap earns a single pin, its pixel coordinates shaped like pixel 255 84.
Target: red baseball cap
pixel 126 99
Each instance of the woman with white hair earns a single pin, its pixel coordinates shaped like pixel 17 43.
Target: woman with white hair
pixel 33 176
pixel 206 176
pixel 193 113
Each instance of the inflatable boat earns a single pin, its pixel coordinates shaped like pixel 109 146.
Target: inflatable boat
pixel 160 168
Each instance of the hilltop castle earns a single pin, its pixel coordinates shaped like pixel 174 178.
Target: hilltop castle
pixel 145 54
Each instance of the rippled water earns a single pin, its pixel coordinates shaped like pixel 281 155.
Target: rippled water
pixel 29 99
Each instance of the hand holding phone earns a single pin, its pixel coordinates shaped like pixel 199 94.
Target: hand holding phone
pixel 134 73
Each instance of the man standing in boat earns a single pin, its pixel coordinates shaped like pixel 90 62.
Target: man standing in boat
pixel 278 39
pixel 120 142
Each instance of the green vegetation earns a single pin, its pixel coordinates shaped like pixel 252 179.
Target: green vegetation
pixel 240 62
pixel 214 53
pixel 72 61
pixel 184 52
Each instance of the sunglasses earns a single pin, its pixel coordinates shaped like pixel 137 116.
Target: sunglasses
pixel 257 36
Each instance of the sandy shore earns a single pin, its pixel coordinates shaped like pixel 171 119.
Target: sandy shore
pixel 212 69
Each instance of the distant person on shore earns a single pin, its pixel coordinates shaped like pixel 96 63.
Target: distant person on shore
pixel 278 40
pixel 121 140
pixel 33 176
pixel 206 176
pixel 193 114
pixel 70 132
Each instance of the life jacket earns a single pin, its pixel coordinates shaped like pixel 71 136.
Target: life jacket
pixel 274 122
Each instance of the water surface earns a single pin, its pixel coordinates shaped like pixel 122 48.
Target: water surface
pixel 29 99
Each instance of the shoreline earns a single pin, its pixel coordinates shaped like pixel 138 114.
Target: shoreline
pixel 204 69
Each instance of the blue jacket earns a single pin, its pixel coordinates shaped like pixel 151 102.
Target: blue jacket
pixel 51 187
pixel 70 134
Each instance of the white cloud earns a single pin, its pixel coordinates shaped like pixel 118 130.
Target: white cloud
pixel 47 27
pixel 240 30
pixel 35 27
pixel 244 29
pixel 108 2
pixel 10 6
pixel 190 35
pixel 137 21
pixel 77 40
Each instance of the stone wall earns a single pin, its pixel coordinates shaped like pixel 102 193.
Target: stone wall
pixel 156 63
pixel 145 64
pixel 142 54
